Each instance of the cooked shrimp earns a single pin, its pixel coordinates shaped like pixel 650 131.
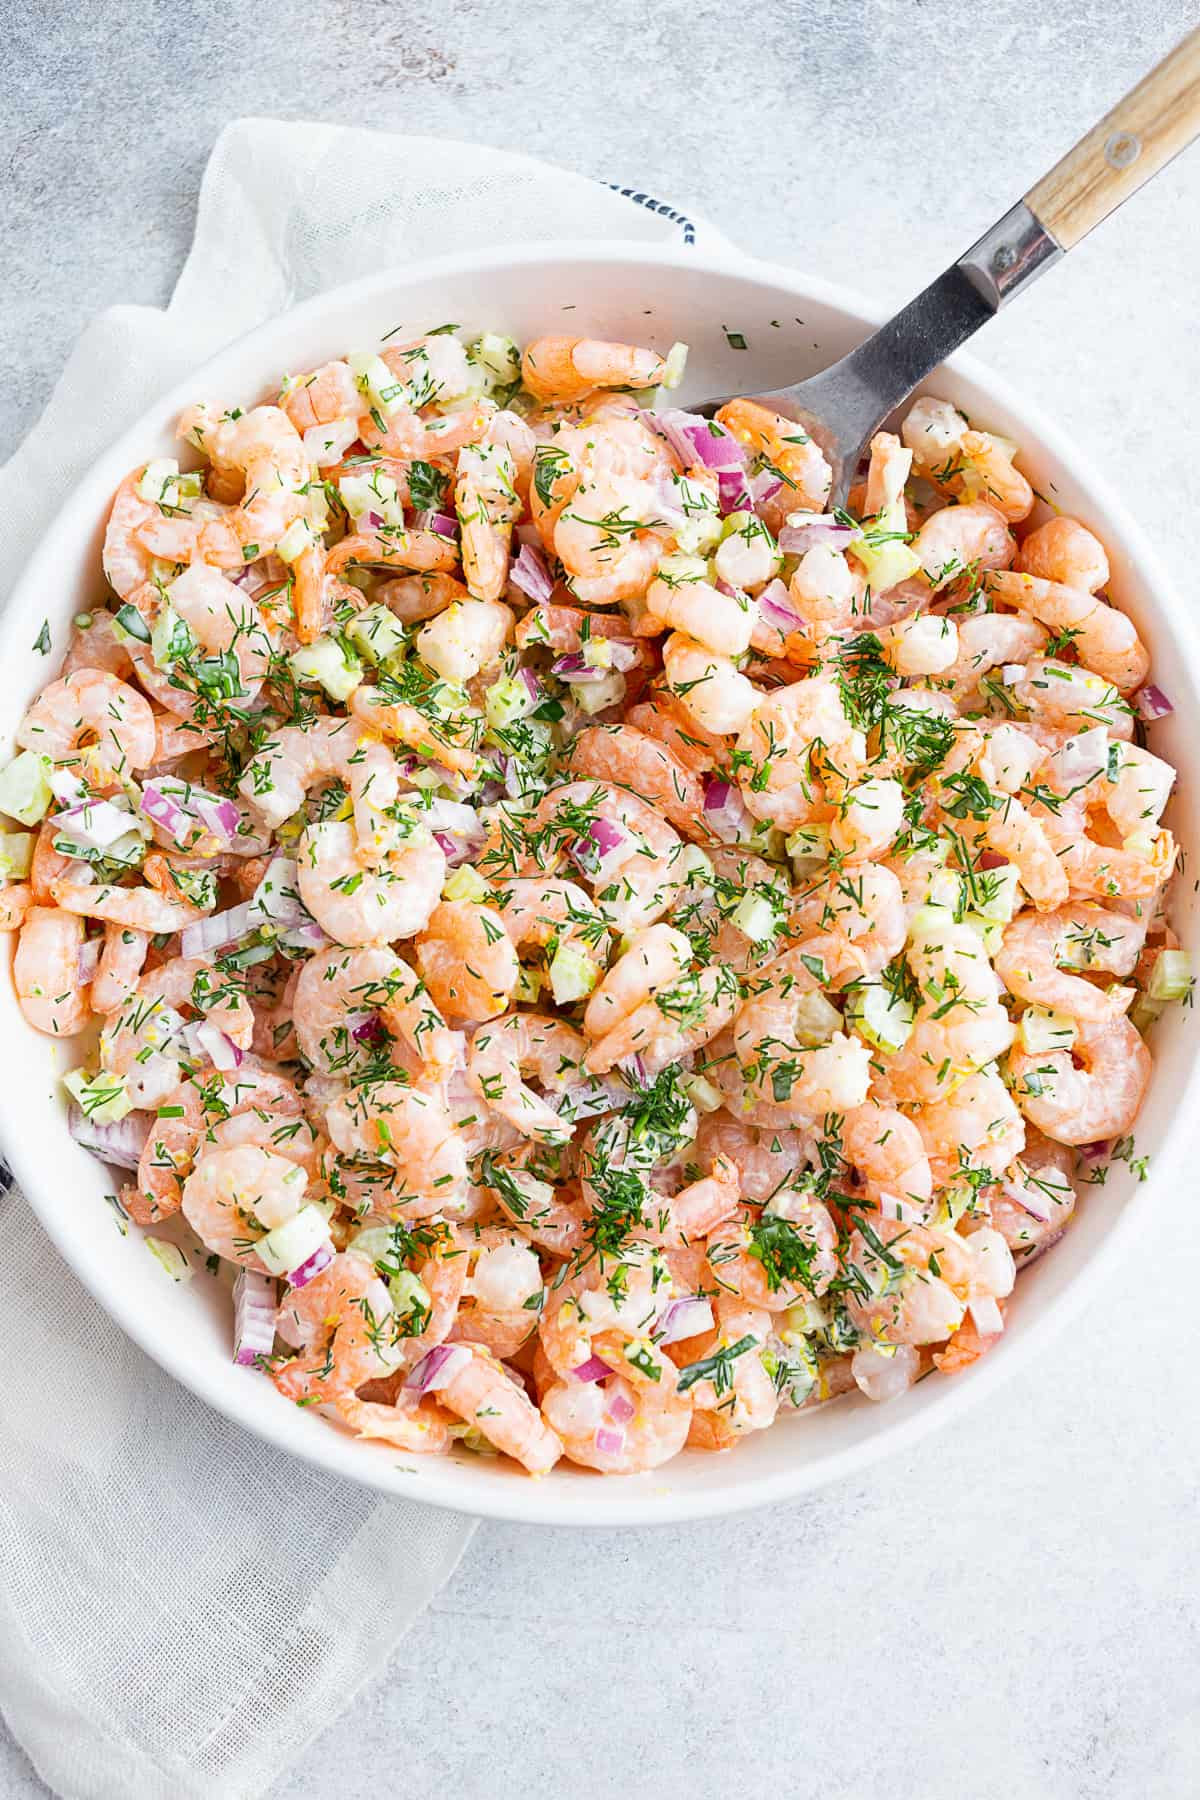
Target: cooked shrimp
pixel 468 960
pixel 886 1149
pixel 504 1051
pixel 390 717
pixel 91 711
pixel 483 1393
pixel 959 540
pixel 675 1020
pixel 1088 1104
pixel 341 991
pixel 1105 640
pixel 344 1318
pixel 263 448
pixel 502 1293
pixel 46 972
pixel 565 369
pixel 710 688
pixel 1038 950
pixel 791 452
pixel 137 908
pixel 121 962
pixel 141 532
pixel 232 1198
pixel 412 1131
pixel 1064 551
pixel 630 758
pixel 360 903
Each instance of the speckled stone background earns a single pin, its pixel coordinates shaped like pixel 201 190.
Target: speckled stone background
pixel 1010 1611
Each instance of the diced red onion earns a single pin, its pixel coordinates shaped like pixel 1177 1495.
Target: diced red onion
pixel 683 1318
pixel 1151 703
pixel 594 1369
pixel 1032 1203
pixel 220 1049
pixel 986 1316
pixel 530 574
pixel 609 1442
pixel 277 895
pixel 1096 1151
pixel 635 1069
pixel 88 960
pixel 66 786
pixel 992 859
pixel 733 492
pixel 724 809
pixel 621 1409
pixel 603 842
pixel 308 936
pixel 529 677
pixel 698 440
pixel 161 810
pixel 1081 758
pixel 444 524
pixel 312 1265
pixel 120 1144
pixel 437 1368
pixel 816 528
pixel 220 930
pixel 375 520
pixel 764 486
pixel 624 652
pixel 574 666
pixel 370 1031
pixel 254 1305
pixel 96 823
pixel 589 1099
pixel 775 608
pixel 179 807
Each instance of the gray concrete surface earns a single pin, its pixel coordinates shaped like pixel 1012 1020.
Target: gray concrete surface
pixel 1008 1612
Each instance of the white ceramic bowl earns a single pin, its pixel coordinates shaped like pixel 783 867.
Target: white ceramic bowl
pixel 793 325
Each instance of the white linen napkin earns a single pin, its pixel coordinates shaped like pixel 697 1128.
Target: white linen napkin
pixel 181 1606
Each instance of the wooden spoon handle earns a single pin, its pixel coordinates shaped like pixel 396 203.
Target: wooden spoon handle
pixel 1153 123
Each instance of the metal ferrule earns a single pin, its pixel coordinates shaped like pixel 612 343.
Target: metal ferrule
pixel 1011 255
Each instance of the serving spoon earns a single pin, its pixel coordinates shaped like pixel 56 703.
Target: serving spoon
pixel 844 406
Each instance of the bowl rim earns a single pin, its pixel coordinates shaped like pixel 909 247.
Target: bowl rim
pixel 603 1503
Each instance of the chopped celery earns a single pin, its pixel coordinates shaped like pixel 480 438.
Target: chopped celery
pixel 703 1095
pixel 757 915
pixel 676 362
pixel 25 792
pixel 101 1097
pixel 291 1244
pixel 170 1257
pixel 1040 1029
pixel 378 633
pixel 409 1293
pixel 573 974
pixel 294 542
pixel 887 561
pixel 498 355
pixel 373 1241
pixel 16 854
pixel 1001 894
pixel 327 663
pixel 529 986
pixel 990 934
pixel 464 883
pixel 809 844
pixel 508 700
pixel 377 493
pixel 882 1018
pixel 171 639
pixel 815 1020
pixel 373 378
pixel 596 696
pixel 1171 978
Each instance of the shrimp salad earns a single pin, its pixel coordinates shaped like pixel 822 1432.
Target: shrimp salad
pixel 597 949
